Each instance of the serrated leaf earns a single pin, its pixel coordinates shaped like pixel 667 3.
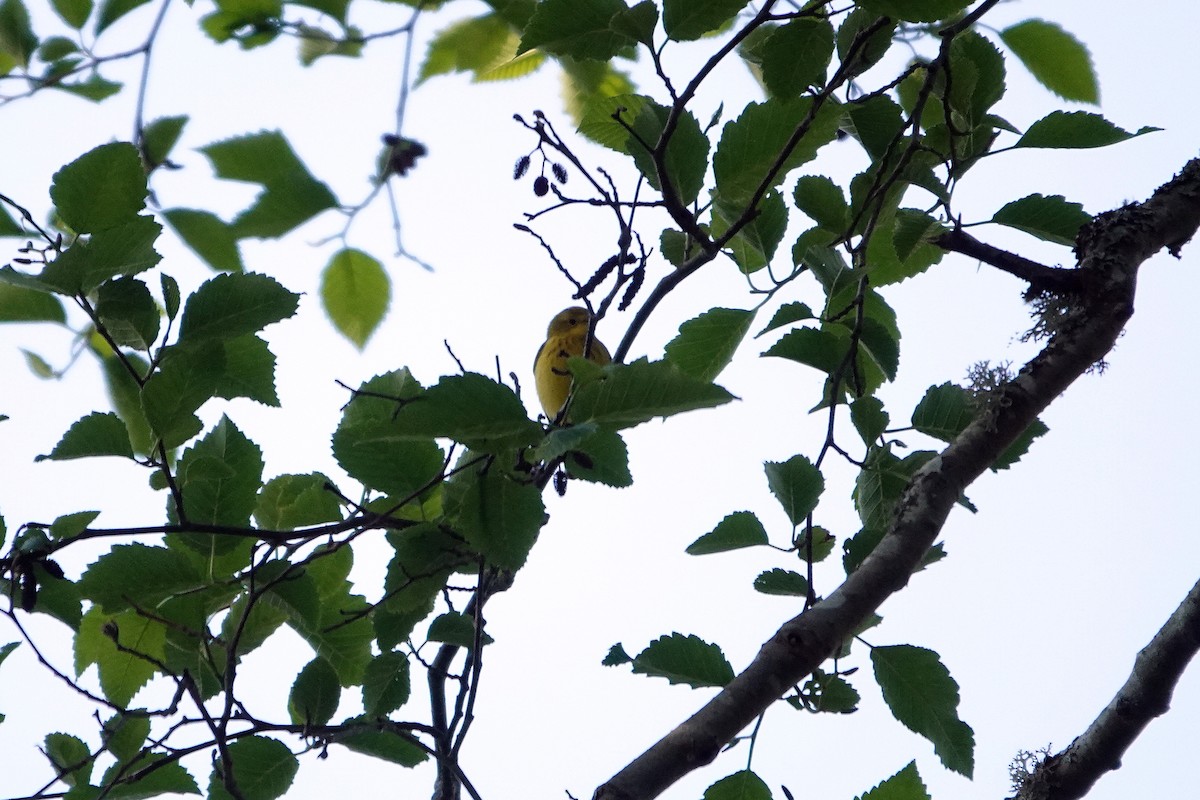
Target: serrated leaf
pixel 823 200
pixel 247 370
pixel 20 304
pixel 219 477
pixel 288 502
pixel 575 28
pixel 232 305
pixel 291 195
pixel 750 154
pixel 882 481
pixel 796 56
pixel 744 785
pixel 263 769
pixel 342 636
pixel 73 12
pixel 829 694
pixel 128 312
pixel 470 45
pixel 137 575
pixel 797 485
pixel 356 293
pixel 944 412
pixel 916 10
pixel 124 672
pixel 786 315
pixel 103 188
pixel 601 457
pixel 739 529
pixel 184 381
pixel 71 758
pixel 1020 446
pixel 1058 60
pixel 159 774
pixel 705 344
pixel 684 659
pixel 160 136
pixel 754 245
pixel 782 582
pixel 126 248
pixel 124 734
pixel 1051 219
pixel 615 656
pixel 877 122
pixel 630 394
pixel 904 785
pixel 1076 129
pixel 921 694
pixel 386 684
pixel 385 745
pixel 853 39
pixel 69 525
pixel 96 434
pixel 315 694
pixel 869 418
pixel 499 517
pixel 685 20
pixel 209 237
pixel 456 629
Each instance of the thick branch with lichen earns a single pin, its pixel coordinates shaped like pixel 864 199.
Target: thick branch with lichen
pixel 1110 250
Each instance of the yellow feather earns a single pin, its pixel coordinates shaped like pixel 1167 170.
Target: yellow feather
pixel 565 339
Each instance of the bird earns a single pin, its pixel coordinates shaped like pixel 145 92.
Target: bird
pixel 565 339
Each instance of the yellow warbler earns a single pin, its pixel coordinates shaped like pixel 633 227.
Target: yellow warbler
pixel 564 339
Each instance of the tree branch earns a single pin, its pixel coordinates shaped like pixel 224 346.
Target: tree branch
pixel 1038 276
pixel 1145 695
pixel 1110 250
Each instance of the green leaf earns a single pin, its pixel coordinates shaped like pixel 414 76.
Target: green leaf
pixel 159 775
pixel 128 312
pixel 499 517
pixel 865 48
pixel 797 485
pixel 69 525
pixel 629 394
pixel 601 457
pixel 468 408
pixel 979 67
pixel 58 597
pixel 96 434
pixel 882 481
pixel 877 122
pixel 904 785
pixel 575 28
pixel 113 10
pixel 71 758
pixel 684 659
pixel 125 396
pixel 219 477
pixel 815 347
pixel 386 745
pixel 232 305
pixel 456 629
pixel 944 412
pixel 782 582
pixel 103 188
pixel 209 237
pixel 315 694
pixel 616 656
pixel 1051 219
pixel 921 694
pixel 248 370
pixel 706 344
pixel 17 39
pixel 160 137
pixel 796 56
pixel 356 293
pixel 1020 445
pixel 830 694
pixel 124 734
pixel 916 10
pixel 263 769
pixel 1057 59
pixel 170 293
pixel 754 245
pixel 744 785
pixel 19 304
pixel 56 47
pixel 122 673
pixel 38 365
pixel 386 684
pixel 186 379
pixel 125 249
pixel 638 22
pixel 739 529
pixel 749 153
pixel 1076 129
pixel 346 645
pixel 94 88
pixel 137 576
pixel 471 45
pixel 823 200
pixel 869 418
pixel 288 502
pixel 291 195
pixel 73 12
pixel 684 20
pixel 786 315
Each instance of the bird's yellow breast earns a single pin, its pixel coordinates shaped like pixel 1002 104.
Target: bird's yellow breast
pixel 565 339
